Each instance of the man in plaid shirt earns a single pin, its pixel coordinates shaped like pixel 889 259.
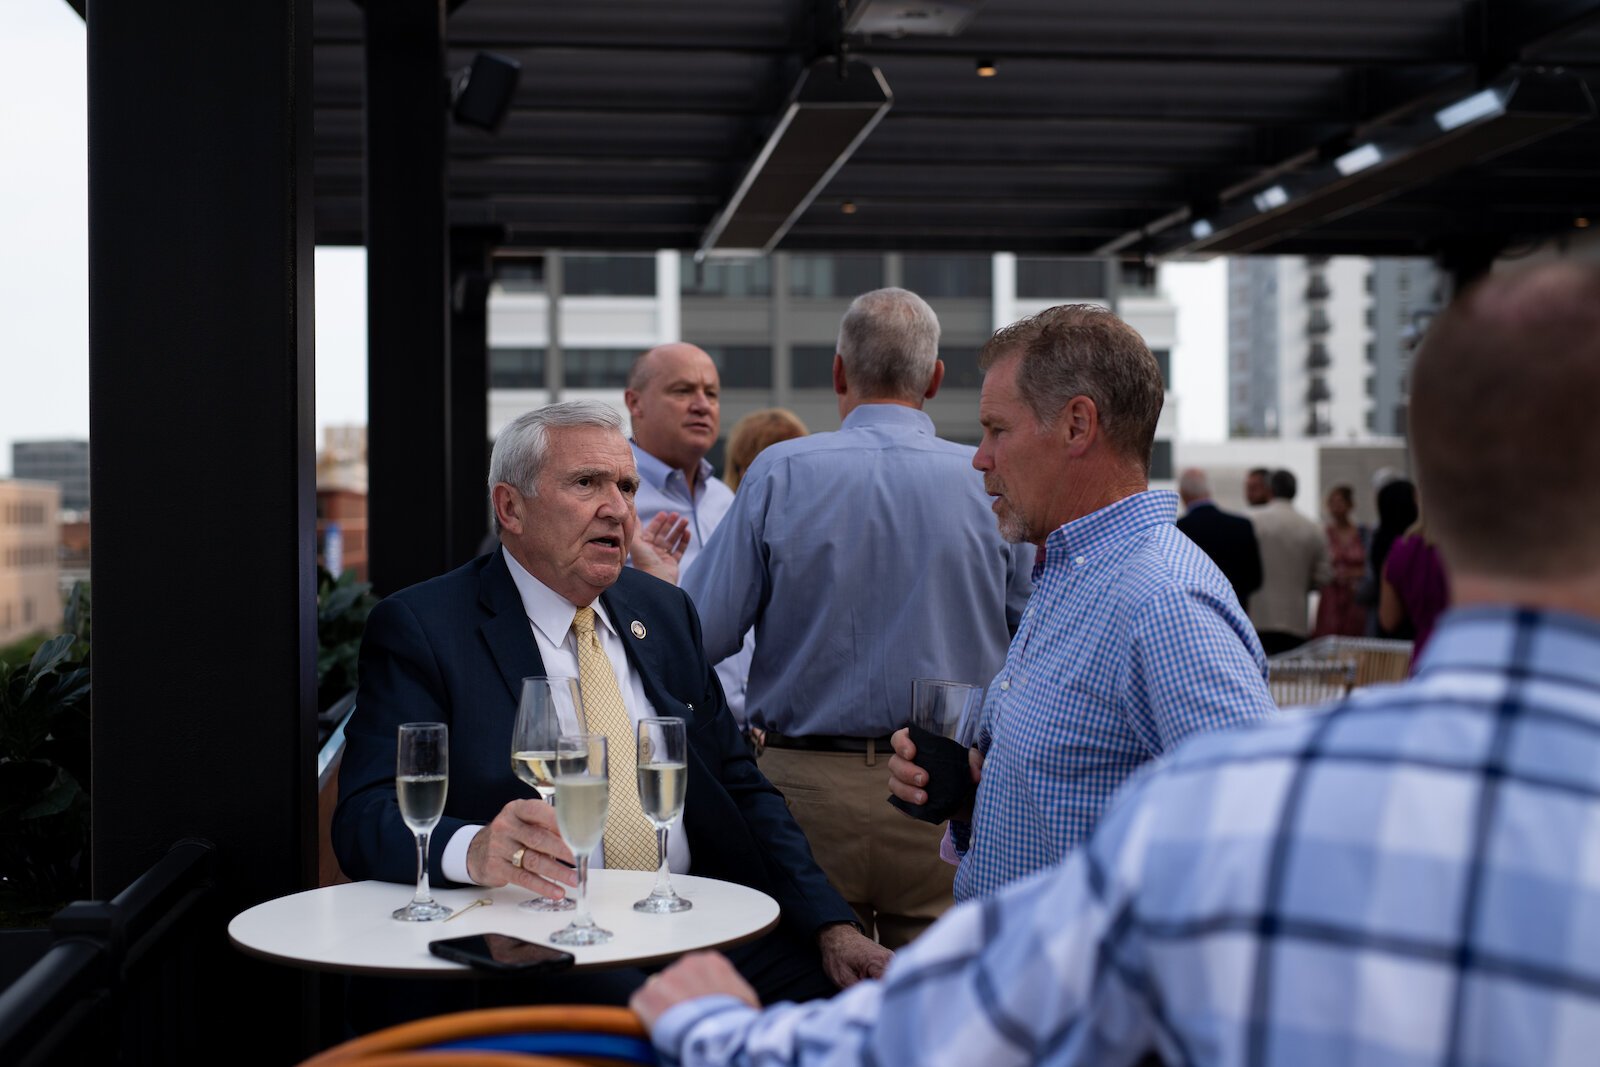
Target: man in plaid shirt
pixel 1411 878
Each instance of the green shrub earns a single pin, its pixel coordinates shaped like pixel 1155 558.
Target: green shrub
pixel 343 605
pixel 44 773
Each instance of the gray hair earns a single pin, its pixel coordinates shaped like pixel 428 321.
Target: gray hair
pixel 519 451
pixel 1085 350
pixel 1192 484
pixel 889 341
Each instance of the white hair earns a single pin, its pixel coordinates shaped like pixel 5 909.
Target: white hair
pixel 1192 484
pixel 889 341
pixel 519 451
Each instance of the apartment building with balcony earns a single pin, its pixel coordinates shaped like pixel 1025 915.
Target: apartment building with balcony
pixel 1319 347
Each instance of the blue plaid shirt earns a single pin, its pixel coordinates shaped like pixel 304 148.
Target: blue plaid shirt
pixel 1132 641
pixel 1411 879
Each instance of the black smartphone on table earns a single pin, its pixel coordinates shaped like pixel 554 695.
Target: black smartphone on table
pixel 502 954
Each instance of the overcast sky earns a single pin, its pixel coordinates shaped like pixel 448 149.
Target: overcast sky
pixel 44 291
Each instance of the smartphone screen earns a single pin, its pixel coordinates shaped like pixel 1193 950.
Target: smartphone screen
pixel 501 952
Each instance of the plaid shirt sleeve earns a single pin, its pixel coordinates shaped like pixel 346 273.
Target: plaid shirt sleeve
pixel 1409 878
pixel 1049 969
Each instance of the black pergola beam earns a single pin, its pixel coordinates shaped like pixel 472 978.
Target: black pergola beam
pixel 201 379
pixel 408 324
pixel 470 276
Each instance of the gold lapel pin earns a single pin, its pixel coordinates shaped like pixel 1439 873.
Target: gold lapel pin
pixel 637 628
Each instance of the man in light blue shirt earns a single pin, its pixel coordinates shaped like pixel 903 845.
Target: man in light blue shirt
pixel 674 403
pixel 864 558
pixel 674 400
pixel 1409 878
pixel 1133 639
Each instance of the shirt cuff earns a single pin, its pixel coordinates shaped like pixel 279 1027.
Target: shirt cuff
pixel 957 840
pixel 453 862
pixel 672 1029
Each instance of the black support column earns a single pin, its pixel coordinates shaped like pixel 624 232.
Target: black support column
pixel 470 273
pixel 201 381
pixel 408 328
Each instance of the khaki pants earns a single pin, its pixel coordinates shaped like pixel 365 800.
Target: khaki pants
pixel 884 863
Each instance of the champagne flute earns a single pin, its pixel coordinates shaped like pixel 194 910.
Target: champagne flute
pixel 663 775
pixel 422 769
pixel 546 704
pixel 582 795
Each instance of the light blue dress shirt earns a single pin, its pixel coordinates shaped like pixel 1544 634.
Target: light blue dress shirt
pixel 1411 880
pixel 1133 641
pixel 664 488
pixel 864 558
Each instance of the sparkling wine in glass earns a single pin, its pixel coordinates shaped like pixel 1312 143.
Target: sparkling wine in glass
pixel 663 776
pixel 422 769
pixel 582 795
pixel 549 707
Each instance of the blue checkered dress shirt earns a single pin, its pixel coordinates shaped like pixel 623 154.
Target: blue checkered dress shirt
pixel 1132 641
pixel 1412 879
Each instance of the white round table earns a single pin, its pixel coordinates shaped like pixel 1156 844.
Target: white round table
pixel 347 928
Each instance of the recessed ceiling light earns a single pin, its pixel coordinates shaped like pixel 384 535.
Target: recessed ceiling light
pixel 986 68
pixel 848 207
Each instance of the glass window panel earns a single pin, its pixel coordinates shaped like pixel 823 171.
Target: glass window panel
pixel 834 276
pixel 609 275
pixel 520 275
pixel 1061 279
pixel 1164 361
pixel 1161 461
pixel 742 366
pixel 727 277
pixel 811 366
pixel 597 368
pixel 961 367
pixel 516 368
pixel 933 277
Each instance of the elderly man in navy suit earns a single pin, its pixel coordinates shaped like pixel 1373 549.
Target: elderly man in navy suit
pixel 1230 540
pixel 455 650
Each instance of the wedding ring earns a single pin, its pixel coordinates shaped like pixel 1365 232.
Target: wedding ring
pixel 516 857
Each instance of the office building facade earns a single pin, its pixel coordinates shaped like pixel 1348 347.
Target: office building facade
pixel 565 326
pixel 66 463
pixel 30 588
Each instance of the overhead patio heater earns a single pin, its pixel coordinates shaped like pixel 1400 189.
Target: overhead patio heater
pixel 1386 160
pixel 833 108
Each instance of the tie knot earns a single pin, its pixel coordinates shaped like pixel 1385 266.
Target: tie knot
pixel 583 622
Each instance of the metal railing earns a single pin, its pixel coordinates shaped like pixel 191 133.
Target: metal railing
pixel 118 974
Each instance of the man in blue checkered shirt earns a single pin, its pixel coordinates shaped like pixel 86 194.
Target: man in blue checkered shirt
pixel 1412 878
pixel 1133 639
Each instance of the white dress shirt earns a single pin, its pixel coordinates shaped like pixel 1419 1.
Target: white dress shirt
pixel 550 618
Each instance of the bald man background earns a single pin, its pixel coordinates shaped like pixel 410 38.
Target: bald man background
pixel 674 401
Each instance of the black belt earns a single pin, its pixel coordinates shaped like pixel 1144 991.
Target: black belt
pixel 830 743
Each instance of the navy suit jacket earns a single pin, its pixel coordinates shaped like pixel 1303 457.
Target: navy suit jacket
pixel 1230 541
pixel 455 650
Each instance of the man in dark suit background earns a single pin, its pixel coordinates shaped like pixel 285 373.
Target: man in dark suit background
pixel 455 650
pixel 1230 540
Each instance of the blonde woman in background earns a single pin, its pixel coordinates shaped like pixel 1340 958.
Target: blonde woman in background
pixel 755 432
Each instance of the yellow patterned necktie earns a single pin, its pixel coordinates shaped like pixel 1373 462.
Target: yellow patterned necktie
pixel 630 840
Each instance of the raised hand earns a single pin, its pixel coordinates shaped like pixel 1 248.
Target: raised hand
pixel 658 545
